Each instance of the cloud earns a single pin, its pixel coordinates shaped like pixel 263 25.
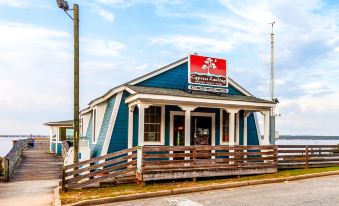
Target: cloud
pixel 14 3
pixel 192 43
pixel 105 14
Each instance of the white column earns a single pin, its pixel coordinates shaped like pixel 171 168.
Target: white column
pixel 246 114
pixel 266 127
pixel 188 110
pixel 141 126
pixel 237 126
pixel 130 128
pixel 231 124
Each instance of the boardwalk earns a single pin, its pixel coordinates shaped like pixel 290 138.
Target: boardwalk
pixel 34 178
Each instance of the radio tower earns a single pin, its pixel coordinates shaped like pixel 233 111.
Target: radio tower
pixel 272 74
pixel 272 90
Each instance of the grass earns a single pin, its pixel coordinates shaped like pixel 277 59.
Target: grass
pixel 94 193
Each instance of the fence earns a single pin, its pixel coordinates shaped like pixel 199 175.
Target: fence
pixel 175 162
pixel 99 169
pixel 12 158
pixel 307 156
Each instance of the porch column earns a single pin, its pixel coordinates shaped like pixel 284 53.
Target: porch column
pixel 130 128
pixel 266 114
pixel 246 114
pixel 141 125
pixel 231 121
pixel 188 110
pixel 231 132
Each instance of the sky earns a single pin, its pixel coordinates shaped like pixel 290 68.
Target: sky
pixel 123 39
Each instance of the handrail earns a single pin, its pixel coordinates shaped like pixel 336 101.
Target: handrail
pixel 13 156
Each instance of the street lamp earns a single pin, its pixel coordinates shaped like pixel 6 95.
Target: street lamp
pixel 62 4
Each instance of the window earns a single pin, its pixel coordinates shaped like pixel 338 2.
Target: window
pixel 225 127
pixel 94 125
pixel 82 127
pixel 152 130
pixel 66 133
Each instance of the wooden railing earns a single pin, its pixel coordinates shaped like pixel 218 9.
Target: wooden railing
pixel 2 169
pixel 65 149
pixel 307 156
pixel 12 158
pixel 99 169
pixel 230 159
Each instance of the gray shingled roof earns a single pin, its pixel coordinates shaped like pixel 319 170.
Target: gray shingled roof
pixel 65 122
pixel 195 94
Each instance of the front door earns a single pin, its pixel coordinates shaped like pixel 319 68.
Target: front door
pixel 179 130
pixel 201 129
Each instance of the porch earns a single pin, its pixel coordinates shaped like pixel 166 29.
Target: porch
pixel 172 117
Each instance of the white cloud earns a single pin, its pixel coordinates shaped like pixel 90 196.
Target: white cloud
pixel 98 47
pixel 193 43
pixel 105 14
pixel 14 3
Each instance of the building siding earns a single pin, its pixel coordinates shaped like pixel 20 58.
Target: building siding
pixel 252 134
pixel 119 139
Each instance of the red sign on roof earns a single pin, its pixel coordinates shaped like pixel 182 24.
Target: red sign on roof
pixel 207 71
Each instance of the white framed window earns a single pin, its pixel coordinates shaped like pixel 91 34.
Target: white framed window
pixel 225 138
pixel 94 139
pixel 154 125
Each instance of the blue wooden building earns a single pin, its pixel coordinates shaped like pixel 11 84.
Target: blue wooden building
pixel 160 108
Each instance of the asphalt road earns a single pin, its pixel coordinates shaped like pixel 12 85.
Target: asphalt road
pixel 315 192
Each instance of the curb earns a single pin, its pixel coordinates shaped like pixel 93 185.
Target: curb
pixel 193 189
pixel 57 201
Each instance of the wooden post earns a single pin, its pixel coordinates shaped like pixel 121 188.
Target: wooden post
pixel 76 82
pixel 6 169
pixel 63 189
pixel 306 157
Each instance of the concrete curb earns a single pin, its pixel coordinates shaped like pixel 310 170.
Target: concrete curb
pixel 57 201
pixel 196 189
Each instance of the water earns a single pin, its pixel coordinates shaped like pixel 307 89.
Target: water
pixel 306 142
pixel 6 144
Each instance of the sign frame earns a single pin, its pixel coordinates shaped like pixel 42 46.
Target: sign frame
pixel 208 85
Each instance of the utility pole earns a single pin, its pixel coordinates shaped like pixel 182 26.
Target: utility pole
pixel 76 82
pixel 272 89
pixel 62 4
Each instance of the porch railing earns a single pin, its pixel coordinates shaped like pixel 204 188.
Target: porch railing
pixel 224 160
pixel 307 156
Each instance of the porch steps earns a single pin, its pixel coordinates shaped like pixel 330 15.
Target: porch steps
pixel 38 164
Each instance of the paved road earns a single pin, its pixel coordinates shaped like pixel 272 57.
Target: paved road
pixel 315 192
pixel 28 193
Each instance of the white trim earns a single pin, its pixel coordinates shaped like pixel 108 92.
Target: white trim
pixel 162 129
pixel 202 114
pixel 257 126
pixel 94 126
pixel 130 126
pixel 111 124
pixel 218 102
pixel 237 129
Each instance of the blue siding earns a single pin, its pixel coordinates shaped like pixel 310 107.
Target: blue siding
pixel 97 148
pixel 119 139
pixel 252 135
pixel 241 127
pixel 59 145
pixel 175 78
pixel 89 135
pixel 135 126
pixel 53 147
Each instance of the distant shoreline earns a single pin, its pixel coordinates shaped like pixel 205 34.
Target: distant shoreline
pixel 307 137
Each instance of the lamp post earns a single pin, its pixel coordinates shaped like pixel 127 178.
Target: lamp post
pixel 62 4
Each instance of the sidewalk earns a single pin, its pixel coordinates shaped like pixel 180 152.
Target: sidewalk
pixel 28 193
